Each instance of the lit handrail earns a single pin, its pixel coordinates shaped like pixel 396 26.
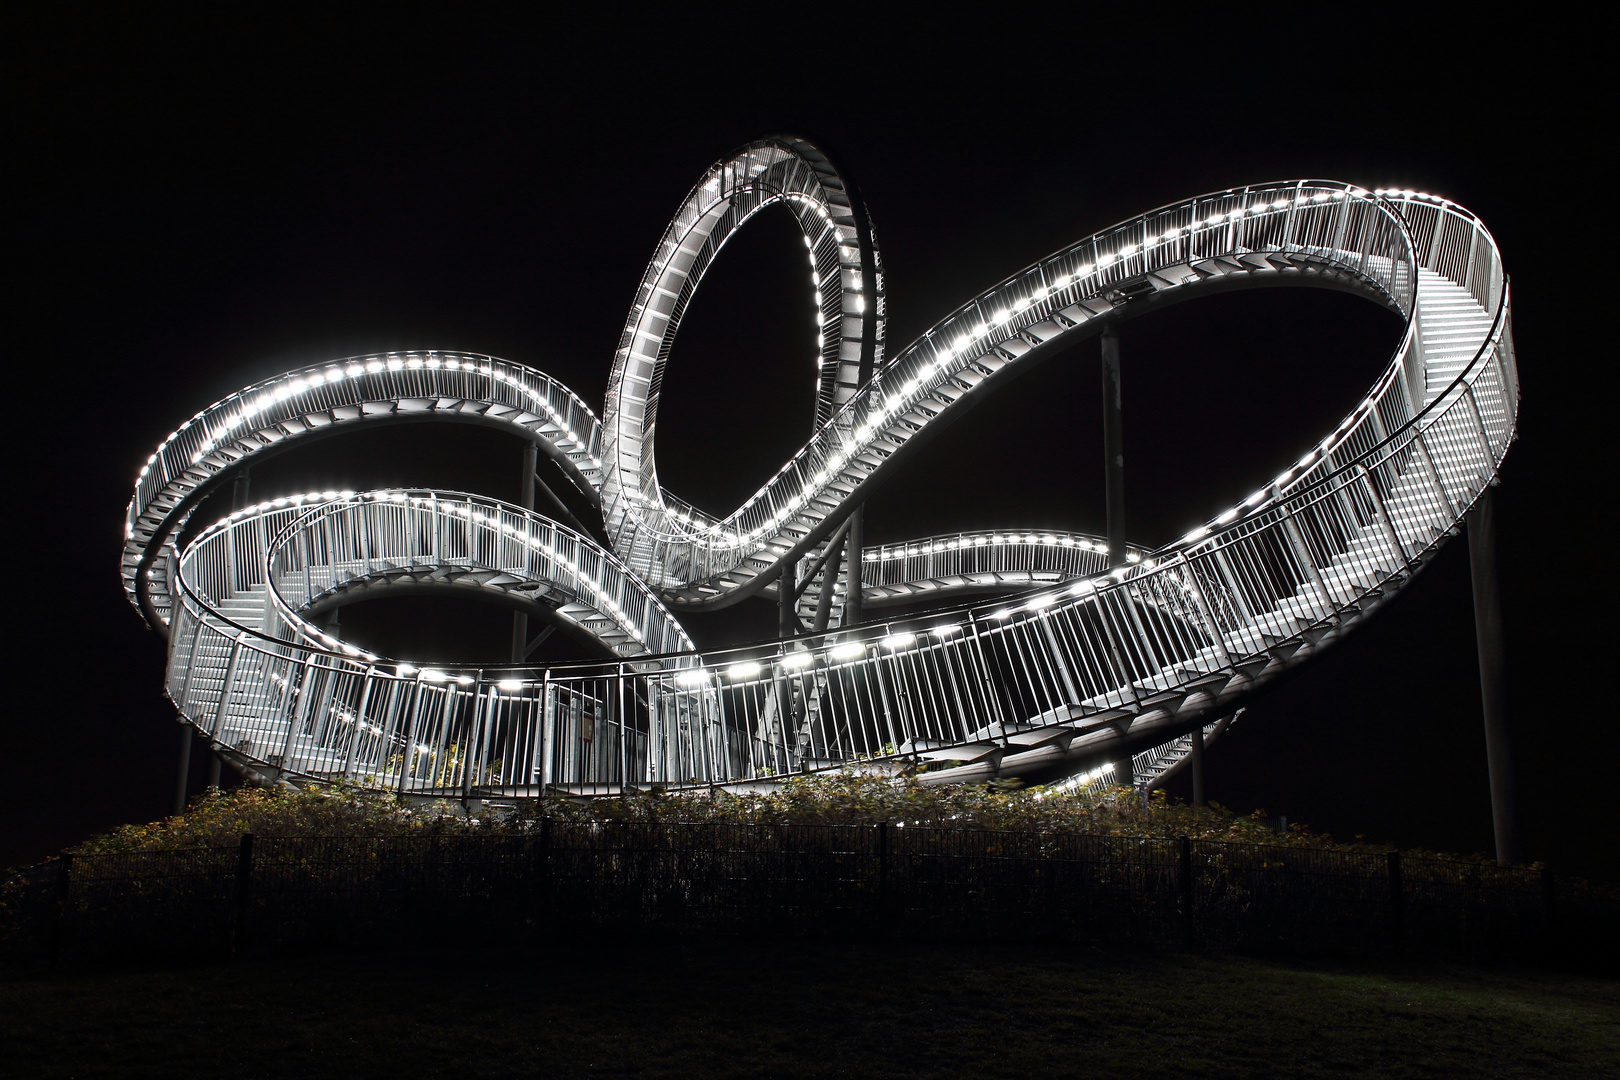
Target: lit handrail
pixel 1052 681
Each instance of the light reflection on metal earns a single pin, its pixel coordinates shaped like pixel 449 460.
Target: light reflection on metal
pixel 1088 665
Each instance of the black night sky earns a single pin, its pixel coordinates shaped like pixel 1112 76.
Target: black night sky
pixel 201 206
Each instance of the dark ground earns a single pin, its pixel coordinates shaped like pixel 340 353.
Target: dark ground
pixel 791 1009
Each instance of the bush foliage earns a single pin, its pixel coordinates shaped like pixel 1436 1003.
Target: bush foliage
pixel 218 819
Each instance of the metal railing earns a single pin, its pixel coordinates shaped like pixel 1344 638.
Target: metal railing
pixel 310 401
pixel 1333 226
pixel 894 880
pixel 1059 680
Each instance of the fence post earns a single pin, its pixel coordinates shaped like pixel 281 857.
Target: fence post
pixel 244 883
pixel 545 872
pixel 883 877
pixel 1188 928
pixel 1549 895
pixel 1397 906
pixel 64 882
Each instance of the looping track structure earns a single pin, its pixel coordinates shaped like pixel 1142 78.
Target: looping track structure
pixel 1081 666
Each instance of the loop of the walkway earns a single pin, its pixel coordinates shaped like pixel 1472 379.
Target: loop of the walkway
pixel 1093 665
pixel 846 280
pixel 317 401
pixel 1300 232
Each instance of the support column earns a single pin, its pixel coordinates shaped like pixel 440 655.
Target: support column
pixel 241 496
pixel 520 620
pixel 787 621
pixel 185 768
pixel 1113 448
pixel 1196 764
pixel 1114 484
pixel 854 579
pixel 1125 773
pixel 829 580
pixel 1493 677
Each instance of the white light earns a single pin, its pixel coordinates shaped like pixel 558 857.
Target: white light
pixel 947 630
pixel 1195 536
pixel 1004 613
pixel 430 675
pixel 849 650
pixel 745 669
pixel 796 660
pixel 898 640
pixel 464 680
pixel 510 686
pixel 405 669
pixel 697 676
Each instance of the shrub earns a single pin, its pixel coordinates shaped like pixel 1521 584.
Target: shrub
pixel 218 819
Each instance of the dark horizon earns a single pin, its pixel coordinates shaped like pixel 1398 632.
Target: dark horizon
pixel 212 208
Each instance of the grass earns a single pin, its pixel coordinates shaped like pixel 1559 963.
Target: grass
pixel 723 1008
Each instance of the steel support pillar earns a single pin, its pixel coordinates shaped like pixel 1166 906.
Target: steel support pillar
pixel 520 621
pixel 241 496
pixel 184 779
pixel 1493 678
pixel 853 578
pixel 1114 482
pixel 1195 763
pixel 1113 448
pixel 787 619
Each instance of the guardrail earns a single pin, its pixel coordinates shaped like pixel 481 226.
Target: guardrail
pixel 1054 681
pixel 315 400
pixel 1338 226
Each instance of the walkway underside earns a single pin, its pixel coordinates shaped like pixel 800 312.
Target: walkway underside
pixel 1068 668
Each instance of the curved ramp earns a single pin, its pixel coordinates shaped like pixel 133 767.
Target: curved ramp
pixel 1088 666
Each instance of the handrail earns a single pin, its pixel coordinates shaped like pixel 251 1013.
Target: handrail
pixel 1053 681
pixel 1056 286
pixel 312 401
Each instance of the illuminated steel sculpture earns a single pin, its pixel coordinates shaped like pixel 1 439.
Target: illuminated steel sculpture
pixel 1087 664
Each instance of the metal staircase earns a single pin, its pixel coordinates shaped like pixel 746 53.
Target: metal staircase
pixel 1080 666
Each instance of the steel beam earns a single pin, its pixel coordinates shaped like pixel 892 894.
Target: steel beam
pixel 520 621
pixel 1113 447
pixel 1493 678
pixel 184 779
pixel 1195 763
pixel 854 578
pixel 787 599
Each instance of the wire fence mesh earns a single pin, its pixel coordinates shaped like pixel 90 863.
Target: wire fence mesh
pixel 571 881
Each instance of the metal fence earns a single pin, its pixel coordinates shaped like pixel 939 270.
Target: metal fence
pixel 431 898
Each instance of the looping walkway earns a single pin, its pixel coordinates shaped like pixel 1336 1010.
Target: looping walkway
pixel 1086 665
